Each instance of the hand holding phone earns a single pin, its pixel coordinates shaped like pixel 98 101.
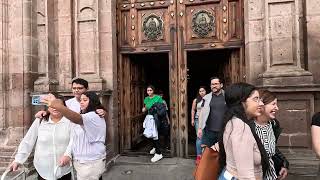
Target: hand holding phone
pixel 36 100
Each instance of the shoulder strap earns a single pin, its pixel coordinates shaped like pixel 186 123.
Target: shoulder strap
pixel 263 152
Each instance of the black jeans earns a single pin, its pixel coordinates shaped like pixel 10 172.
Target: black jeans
pixel 65 177
pixel 156 145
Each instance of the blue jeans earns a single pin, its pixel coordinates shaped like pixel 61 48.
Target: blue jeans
pixel 198 141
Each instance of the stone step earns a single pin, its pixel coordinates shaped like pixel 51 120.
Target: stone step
pixel 10 174
pixel 4 164
pixel 8 149
pixel 4 153
pixel 303 162
pixel 6 158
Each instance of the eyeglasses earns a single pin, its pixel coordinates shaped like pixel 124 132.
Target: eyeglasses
pixel 77 88
pixel 257 99
pixel 149 90
pixel 215 84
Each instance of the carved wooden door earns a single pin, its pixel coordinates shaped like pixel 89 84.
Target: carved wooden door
pixel 144 26
pixel 206 25
pixel 175 27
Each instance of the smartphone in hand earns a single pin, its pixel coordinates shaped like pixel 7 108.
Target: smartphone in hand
pixel 36 100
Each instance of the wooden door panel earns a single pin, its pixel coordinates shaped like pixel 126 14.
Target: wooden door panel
pixel 235 20
pixel 125 25
pixel 234 69
pixel 144 25
pixel 131 90
pixel 153 27
pixel 202 23
pixel 136 102
pixel 210 24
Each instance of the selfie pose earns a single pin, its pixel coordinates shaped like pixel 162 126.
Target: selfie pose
pixel 89 135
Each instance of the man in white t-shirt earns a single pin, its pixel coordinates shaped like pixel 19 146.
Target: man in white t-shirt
pixel 78 86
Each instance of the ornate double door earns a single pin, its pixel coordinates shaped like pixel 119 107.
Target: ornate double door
pixel 175 27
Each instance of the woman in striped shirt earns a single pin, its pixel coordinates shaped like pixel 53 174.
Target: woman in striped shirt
pixel 268 130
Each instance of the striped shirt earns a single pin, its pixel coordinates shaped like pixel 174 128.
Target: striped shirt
pixel 266 134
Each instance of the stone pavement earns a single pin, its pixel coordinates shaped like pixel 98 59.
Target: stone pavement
pixel 140 168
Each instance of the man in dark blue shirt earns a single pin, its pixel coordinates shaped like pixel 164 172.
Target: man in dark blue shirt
pixel 211 115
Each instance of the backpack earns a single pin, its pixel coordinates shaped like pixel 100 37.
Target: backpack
pixel 159 109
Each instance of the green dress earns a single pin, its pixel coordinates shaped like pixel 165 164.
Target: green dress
pixel 148 101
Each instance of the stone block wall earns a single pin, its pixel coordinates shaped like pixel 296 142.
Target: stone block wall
pixel 281 47
pixel 45 44
pixel 313 37
pixel 294 117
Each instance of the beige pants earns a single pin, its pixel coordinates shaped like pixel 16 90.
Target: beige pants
pixel 91 170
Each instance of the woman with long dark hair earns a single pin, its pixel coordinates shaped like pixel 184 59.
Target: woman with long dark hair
pixel 242 156
pixel 89 135
pixel 197 104
pixel 268 129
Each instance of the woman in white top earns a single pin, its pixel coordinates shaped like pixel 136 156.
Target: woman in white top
pixel 89 135
pixel 52 140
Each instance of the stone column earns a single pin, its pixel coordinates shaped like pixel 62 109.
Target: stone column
pixel 107 56
pixel 254 38
pixel 22 66
pixel 3 65
pixel 87 46
pixel 46 47
pixel 284 51
pixel 65 69
pixel 313 44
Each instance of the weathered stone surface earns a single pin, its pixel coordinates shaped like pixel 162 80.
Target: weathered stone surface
pixel 313 35
pixel 254 9
pixel 300 141
pixel 78 38
pixel 294 116
pixel 281 51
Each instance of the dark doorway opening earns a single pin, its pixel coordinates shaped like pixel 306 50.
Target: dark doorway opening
pixel 202 65
pixel 143 70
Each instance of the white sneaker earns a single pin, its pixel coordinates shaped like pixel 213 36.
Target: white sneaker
pixel 156 157
pixel 153 151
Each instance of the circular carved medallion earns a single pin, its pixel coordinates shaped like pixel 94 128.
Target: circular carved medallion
pixel 203 22
pixel 152 27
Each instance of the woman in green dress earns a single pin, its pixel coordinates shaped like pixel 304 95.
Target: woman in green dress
pixel 149 101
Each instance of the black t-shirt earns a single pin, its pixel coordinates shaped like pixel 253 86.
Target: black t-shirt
pixel 316 119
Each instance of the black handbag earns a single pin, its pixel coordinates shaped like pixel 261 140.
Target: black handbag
pixel 278 163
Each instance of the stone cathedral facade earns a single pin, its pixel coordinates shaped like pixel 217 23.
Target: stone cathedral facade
pixel 46 43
